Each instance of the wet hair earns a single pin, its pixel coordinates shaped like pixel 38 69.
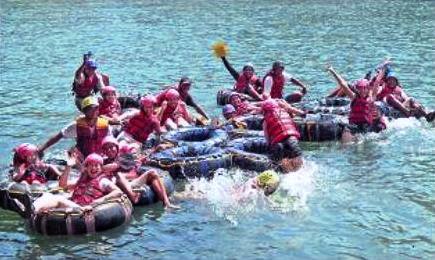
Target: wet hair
pixel 183 80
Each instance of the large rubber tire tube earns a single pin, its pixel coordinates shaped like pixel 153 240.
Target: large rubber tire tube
pixel 191 161
pixel 102 217
pixel 250 153
pixel 195 136
pixel 319 128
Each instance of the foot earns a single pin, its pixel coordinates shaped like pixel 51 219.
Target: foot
pixel 23 205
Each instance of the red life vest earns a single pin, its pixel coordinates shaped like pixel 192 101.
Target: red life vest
pixel 396 92
pixel 35 173
pixel 109 109
pixel 361 111
pixel 89 138
pixel 170 112
pixel 86 191
pixel 277 86
pixel 141 126
pixel 279 126
pixel 241 86
pixel 85 89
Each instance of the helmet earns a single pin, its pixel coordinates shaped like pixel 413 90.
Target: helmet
pixel 25 150
pixel 93 158
pixel 269 181
pixel 108 89
pixel 228 109
pixel 278 64
pixel 248 66
pixel 172 94
pixel 269 105
pixel 89 101
pixel 148 101
pixel 109 140
pixel 91 64
pixel 361 83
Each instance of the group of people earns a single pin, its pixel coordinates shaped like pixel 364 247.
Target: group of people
pixel 106 137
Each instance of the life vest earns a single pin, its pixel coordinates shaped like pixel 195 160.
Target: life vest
pixel 277 86
pixel 241 86
pixel 141 126
pixel 170 112
pixel 361 111
pixel 279 126
pixel 86 191
pixel 89 139
pixel 386 91
pixel 35 173
pixel 109 109
pixel 85 89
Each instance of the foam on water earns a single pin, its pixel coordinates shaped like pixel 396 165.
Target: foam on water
pixel 230 197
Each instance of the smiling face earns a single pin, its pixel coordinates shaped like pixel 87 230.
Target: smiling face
pixel 110 150
pixel 93 169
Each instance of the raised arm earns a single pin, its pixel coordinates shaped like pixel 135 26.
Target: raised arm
pixel 230 68
pixel 343 83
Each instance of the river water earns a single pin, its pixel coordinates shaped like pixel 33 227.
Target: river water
pixel 370 200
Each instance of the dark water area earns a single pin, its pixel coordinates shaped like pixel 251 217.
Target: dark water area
pixel 370 200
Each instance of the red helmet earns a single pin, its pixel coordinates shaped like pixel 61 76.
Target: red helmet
pixel 93 158
pixel 269 105
pixel 108 89
pixel 148 101
pixel 172 94
pixel 109 140
pixel 25 150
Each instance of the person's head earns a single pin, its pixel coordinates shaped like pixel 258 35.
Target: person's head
pixel 89 107
pixel 391 80
pixel 228 111
pixel 110 147
pixel 108 93
pixel 93 164
pixel 184 85
pixel 269 105
pixel 25 153
pixel 278 67
pixel 235 100
pixel 172 96
pixel 147 104
pixel 90 67
pixel 248 70
pixel 268 181
pixel 363 87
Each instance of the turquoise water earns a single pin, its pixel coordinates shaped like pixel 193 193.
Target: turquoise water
pixel 370 200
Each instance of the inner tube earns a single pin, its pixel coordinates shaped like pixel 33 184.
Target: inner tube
pixel 104 216
pixel 191 161
pixel 336 110
pixel 223 96
pixel 194 136
pixel 129 102
pixel 10 190
pixel 334 101
pixel 148 196
pixel 320 127
pixel 388 111
pixel 250 153
pixel 254 127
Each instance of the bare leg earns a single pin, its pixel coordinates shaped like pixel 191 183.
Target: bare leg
pixel 50 201
pixel 151 178
pixel 123 184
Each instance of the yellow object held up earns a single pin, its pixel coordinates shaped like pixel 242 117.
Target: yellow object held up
pixel 220 49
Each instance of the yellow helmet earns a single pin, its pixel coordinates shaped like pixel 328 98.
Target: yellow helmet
pixel 269 181
pixel 89 101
